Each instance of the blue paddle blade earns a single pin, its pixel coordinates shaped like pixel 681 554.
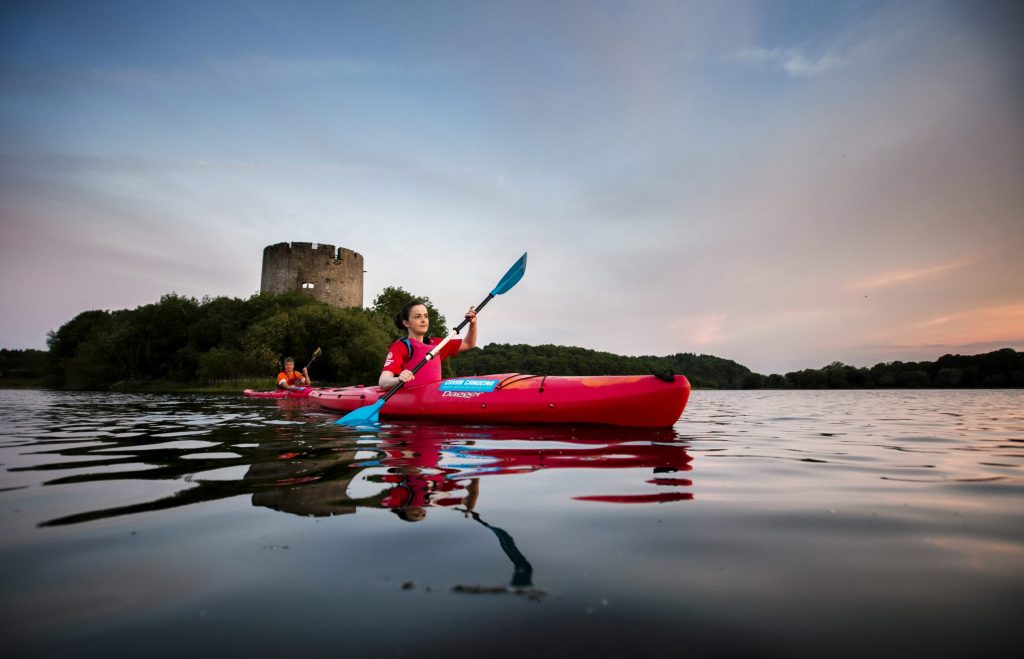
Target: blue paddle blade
pixel 512 277
pixel 362 416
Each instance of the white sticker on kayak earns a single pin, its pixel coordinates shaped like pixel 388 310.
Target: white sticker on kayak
pixel 460 394
pixel 468 384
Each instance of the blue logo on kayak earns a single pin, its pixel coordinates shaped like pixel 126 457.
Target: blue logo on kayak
pixel 468 384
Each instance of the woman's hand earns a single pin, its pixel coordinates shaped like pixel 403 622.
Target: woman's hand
pixel 469 342
pixel 406 376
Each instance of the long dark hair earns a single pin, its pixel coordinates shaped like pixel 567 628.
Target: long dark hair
pixel 403 315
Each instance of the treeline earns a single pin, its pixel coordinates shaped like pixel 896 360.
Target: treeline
pixel 1000 368
pixel 704 371
pixel 183 340
pixel 22 367
pixel 188 341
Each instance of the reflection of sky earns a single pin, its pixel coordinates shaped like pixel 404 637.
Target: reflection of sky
pixel 781 184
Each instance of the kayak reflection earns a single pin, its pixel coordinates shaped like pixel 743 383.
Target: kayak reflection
pixel 427 465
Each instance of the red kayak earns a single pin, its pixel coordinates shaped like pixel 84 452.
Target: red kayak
pixel 626 400
pixel 303 392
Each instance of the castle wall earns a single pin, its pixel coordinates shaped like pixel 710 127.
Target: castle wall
pixel 332 275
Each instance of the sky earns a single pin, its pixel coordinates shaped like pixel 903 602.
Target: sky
pixel 785 184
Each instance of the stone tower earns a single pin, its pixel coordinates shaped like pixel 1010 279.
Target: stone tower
pixel 334 276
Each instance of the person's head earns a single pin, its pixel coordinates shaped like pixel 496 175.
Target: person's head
pixel 413 317
pixel 410 514
pixel 289 364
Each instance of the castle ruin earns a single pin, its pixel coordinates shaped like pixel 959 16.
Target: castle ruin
pixel 334 276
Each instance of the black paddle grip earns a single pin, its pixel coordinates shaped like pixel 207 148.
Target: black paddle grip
pixel 480 306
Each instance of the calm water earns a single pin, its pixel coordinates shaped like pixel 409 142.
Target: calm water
pixel 770 524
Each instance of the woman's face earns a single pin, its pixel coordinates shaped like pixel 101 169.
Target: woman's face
pixel 418 321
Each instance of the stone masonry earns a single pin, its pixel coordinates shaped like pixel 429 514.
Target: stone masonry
pixel 330 275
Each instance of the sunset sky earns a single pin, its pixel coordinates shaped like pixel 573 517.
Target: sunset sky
pixel 784 184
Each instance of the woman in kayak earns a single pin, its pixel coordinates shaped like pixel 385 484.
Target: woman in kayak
pixel 405 353
pixel 291 379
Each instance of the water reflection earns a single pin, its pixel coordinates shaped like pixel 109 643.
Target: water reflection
pixel 522 575
pixel 293 460
pixel 427 465
pixel 312 482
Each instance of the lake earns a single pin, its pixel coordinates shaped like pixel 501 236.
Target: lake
pixel 779 523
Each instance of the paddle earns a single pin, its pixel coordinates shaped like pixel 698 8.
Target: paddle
pixel 305 371
pixel 523 574
pixel 371 413
pixel 316 353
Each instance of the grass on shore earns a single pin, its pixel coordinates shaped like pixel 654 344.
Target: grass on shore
pixel 22 384
pixel 219 387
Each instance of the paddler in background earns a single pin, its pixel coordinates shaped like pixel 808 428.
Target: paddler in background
pixel 291 379
pixel 405 353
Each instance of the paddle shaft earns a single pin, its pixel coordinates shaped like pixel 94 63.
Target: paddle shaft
pixel 316 353
pixel 523 574
pixel 490 296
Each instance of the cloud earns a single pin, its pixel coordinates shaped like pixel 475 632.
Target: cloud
pixel 909 275
pixel 994 320
pixel 701 331
pixel 967 330
pixel 860 42
pixel 911 351
pixel 792 60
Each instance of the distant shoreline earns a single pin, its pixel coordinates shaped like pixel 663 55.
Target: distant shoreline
pixel 999 369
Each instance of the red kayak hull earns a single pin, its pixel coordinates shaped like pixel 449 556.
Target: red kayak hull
pixel 629 400
pixel 279 393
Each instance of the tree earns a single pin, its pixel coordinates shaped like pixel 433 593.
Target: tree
pixel 22 365
pixel 913 379
pixel 353 343
pixel 66 343
pixel 949 377
pixel 753 381
pixel 392 299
